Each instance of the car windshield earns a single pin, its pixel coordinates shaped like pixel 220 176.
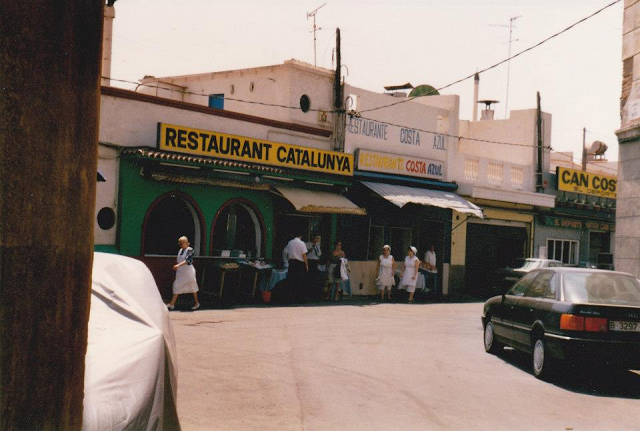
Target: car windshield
pixel 601 288
pixel 531 264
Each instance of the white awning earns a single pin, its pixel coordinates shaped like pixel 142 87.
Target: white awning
pixel 310 201
pixel 402 195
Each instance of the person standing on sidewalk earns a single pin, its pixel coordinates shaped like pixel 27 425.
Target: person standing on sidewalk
pixel 431 273
pixel 298 268
pixel 185 281
pixel 314 252
pixel 385 268
pixel 410 272
pixel 333 273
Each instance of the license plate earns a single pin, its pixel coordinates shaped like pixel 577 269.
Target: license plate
pixel 616 325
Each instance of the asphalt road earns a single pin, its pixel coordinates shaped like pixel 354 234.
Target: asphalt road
pixel 377 367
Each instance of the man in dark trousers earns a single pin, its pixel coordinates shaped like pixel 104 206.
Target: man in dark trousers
pixel 313 258
pixel 298 268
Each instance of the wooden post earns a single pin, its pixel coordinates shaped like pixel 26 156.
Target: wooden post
pixel 49 111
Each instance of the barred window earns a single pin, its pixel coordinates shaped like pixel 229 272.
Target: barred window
pixel 517 177
pixel 471 169
pixel 495 173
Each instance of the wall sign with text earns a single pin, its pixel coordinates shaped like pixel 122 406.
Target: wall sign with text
pixel 578 224
pixel 224 146
pixel 399 165
pixel 588 183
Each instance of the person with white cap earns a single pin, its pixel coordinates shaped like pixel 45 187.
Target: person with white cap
pixel 410 272
pixel 385 280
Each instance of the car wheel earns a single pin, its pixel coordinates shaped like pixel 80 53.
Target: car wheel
pixel 491 345
pixel 541 359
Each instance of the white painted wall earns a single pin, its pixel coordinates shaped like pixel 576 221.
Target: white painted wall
pixel 495 165
pixel 276 85
pixel 106 193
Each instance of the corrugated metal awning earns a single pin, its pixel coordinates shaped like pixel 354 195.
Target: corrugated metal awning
pixel 402 195
pixel 310 201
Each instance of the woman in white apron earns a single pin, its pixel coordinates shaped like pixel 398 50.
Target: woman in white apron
pixel 185 281
pixel 410 272
pixel 385 280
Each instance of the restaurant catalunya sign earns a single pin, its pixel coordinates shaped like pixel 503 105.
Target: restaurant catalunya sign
pixel 588 183
pixel 399 165
pixel 208 143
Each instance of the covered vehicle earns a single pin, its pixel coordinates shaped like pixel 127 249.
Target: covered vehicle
pixel 585 316
pixel 130 368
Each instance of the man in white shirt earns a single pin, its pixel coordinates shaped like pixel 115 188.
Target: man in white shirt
pixel 298 267
pixel 313 258
pixel 431 274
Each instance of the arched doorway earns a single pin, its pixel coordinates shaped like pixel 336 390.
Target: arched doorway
pixel 168 218
pixel 238 228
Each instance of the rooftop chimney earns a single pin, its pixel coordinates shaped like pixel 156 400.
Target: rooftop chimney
pixel 487 114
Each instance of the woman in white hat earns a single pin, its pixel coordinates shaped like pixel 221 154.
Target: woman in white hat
pixel 410 272
pixel 185 281
pixel 385 280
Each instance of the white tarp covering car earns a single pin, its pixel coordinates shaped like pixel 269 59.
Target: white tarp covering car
pixel 130 367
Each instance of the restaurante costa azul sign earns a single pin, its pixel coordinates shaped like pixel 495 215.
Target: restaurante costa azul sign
pixel 588 183
pixel 208 143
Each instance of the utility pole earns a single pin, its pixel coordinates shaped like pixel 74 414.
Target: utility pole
pixel 539 179
pixel 584 149
pixel 49 112
pixel 338 100
pixel 506 102
pixel 312 14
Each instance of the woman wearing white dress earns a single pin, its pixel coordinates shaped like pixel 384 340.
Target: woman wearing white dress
pixel 185 281
pixel 410 272
pixel 385 280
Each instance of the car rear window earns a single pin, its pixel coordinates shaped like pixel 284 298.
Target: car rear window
pixel 531 264
pixel 601 288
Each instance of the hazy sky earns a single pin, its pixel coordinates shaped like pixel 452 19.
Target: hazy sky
pixel 387 42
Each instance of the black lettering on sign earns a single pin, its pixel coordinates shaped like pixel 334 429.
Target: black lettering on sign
pixel 235 147
pixel 246 149
pixel 346 166
pixel 193 140
pixel 213 144
pixel 267 148
pixel 170 136
pixel 203 138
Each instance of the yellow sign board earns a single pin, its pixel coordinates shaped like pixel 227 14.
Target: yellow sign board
pixel 222 145
pixel 588 183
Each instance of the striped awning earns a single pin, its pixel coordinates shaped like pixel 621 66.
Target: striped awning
pixel 402 195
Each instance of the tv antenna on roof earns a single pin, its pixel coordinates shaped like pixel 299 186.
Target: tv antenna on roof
pixel 312 14
pixel 511 39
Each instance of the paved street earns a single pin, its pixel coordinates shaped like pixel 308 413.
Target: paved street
pixel 376 367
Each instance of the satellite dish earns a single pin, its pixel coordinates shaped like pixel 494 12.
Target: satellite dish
pixel 424 90
pixel 598 148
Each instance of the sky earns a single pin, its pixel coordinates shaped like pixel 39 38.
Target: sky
pixel 390 42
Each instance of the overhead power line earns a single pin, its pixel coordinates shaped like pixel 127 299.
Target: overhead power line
pixel 499 63
pixel 400 101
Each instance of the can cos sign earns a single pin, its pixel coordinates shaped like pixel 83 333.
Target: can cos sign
pixel 588 183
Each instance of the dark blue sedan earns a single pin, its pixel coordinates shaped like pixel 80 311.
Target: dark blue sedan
pixel 578 315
